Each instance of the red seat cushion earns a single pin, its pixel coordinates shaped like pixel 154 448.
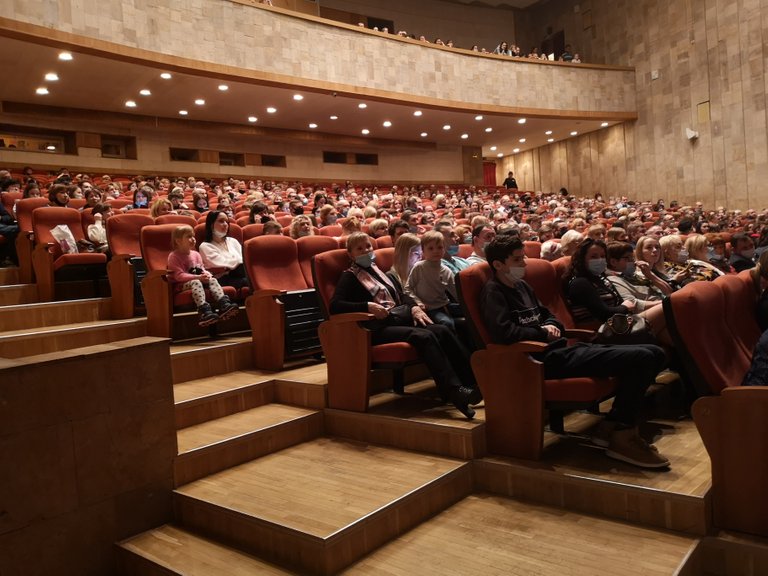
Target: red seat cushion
pixel 79 259
pixel 577 389
pixel 394 353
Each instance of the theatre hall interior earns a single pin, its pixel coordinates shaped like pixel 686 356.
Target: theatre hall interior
pixel 448 287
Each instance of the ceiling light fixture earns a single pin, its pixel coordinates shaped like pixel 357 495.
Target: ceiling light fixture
pixel 42 91
pixel 574 133
pixel 200 102
pixel 447 127
pixel 50 147
pixel 548 132
pixel 166 76
pixel 145 92
pixel 493 148
pixel 223 87
pixel 550 140
pixel 489 129
pixel 271 110
pixel 521 121
pixel 298 97
pixel 604 124
pixel 252 119
pixel 66 56
pixel 479 117
pixel 362 105
pixel 424 134
pixel 418 113
pixel 522 140
pixel 464 136
pixel 365 131
pixel 313 125
pixel 183 112
pixel 515 150
pixel 51 77
pixel 130 104
pixel 334 117
pixel 387 124
pixel 500 155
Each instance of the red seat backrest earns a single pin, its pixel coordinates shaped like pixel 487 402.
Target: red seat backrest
pixel 251 231
pixel 307 247
pixel 698 310
pixel 44 219
pixel 542 277
pixel 9 199
pixel 532 249
pixel 470 282
pixel 465 250
pixel 118 203
pixel 385 257
pixel 332 230
pixel 124 233
pixel 740 306
pixel 24 210
pixel 384 241
pixel 156 245
pixel 176 219
pixel 327 268
pixel 272 263
pixel 284 220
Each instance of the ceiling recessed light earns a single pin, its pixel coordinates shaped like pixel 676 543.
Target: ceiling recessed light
pixel 387 124
pixel 313 125
pixel 500 155
pixel 521 121
pixel 130 104
pixel 424 134
pixel 604 124
pixel 252 119
pixel 493 148
pixel 298 97
pixel 334 117
pixel 271 110
pixel 183 112
pixel 489 129
pixel 515 150
pixel 418 113
pixel 65 56
pixel 522 140
pixel 548 132
pixel 574 133
pixel 362 105
pixel 50 147
pixel 145 92
pixel 200 102
pixel 550 140
pixel 42 91
pixel 51 77
pixel 365 131
pixel 223 87
pixel 165 75
pixel 447 127
pixel 464 136
pixel 479 117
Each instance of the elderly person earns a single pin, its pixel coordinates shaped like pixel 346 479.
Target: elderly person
pixel 551 250
pixel 700 267
pixel 570 242
pixel 301 226
pixel 363 287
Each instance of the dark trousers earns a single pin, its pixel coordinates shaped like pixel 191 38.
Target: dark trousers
pixel 634 367
pixel 446 358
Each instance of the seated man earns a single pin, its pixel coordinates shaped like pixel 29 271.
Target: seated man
pixel 743 252
pixel 512 313
pixel 481 237
pixel 453 262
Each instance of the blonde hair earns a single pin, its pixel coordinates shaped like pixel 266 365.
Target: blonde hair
pixel 641 242
pixel 181 232
pixel 403 246
pixel 154 211
pixel 670 242
pixel 432 237
pixel 296 222
pixel 351 225
pixel 378 224
pixel 356 238
pixel 695 244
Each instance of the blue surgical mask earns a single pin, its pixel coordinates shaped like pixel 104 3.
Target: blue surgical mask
pixel 598 266
pixel 332 219
pixel 365 260
pixel 682 257
pixel 453 250
pixel 467 238
pixel 629 271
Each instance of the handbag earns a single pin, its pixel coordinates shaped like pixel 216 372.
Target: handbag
pixel 625 329
pixel 400 316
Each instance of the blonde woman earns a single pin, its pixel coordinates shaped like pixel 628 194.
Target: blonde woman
pixel 301 226
pixel 407 253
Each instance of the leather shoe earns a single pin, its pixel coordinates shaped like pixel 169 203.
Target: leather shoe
pixel 460 398
pixel 475 396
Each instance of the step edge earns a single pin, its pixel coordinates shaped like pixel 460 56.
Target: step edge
pixel 221 393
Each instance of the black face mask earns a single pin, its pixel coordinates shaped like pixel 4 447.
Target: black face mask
pixel 298 210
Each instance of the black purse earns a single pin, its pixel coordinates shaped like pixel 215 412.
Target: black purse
pixel 625 329
pixel 400 316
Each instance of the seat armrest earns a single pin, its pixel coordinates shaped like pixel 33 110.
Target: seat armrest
pixel 579 334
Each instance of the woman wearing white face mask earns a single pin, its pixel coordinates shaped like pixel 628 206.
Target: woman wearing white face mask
pixel 222 254
pixel 593 298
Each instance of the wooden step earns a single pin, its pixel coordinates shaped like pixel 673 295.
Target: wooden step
pixel 173 550
pixel 418 420
pixel 490 535
pixel 219 444
pixel 728 555
pixel 577 476
pixel 13 294
pixel 18 343
pixel 319 506
pixel 204 357
pixel 9 275
pixel 44 314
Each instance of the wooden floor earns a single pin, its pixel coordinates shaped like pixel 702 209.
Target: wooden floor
pixel 490 535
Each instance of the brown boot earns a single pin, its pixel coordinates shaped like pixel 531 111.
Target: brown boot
pixel 627 446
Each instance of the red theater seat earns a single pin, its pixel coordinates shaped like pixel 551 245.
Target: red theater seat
pixel 124 238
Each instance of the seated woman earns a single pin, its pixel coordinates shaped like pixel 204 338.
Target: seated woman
pixel 327 216
pixel 700 267
pixel 593 299
pixel 378 228
pixel 160 207
pixel 259 213
pixel 58 195
pixel 301 226
pixel 365 288
pixel 407 253
pixel 717 253
pixel 629 282
pixel 650 262
pixel 222 254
